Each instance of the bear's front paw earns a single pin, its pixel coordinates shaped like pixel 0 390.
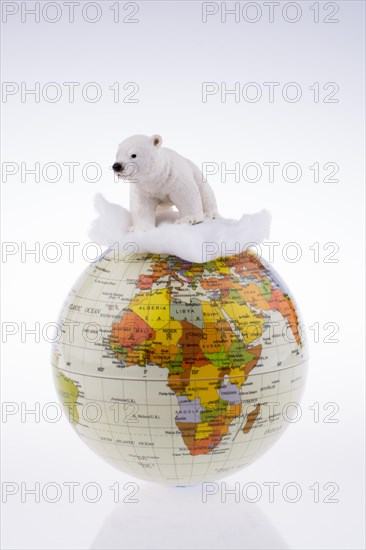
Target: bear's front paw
pixel 134 228
pixel 192 220
pixel 212 215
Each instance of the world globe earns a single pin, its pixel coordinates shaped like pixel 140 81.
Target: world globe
pixel 179 372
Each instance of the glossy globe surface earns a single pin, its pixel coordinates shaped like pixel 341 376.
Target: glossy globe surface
pixel 178 372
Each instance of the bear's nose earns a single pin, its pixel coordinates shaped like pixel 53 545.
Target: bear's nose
pixel 117 167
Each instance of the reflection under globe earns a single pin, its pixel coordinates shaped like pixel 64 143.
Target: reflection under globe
pixel 179 518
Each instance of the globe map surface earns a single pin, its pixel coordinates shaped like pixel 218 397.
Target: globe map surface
pixel 178 372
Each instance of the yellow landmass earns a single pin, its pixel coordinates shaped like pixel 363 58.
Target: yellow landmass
pixel 211 313
pixel 203 430
pixel 237 376
pixel 249 324
pixel 253 295
pixel 152 307
pixel 170 333
pixel 68 393
pixel 205 390
pixel 222 267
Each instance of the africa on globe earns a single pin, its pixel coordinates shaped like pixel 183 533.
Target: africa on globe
pixel 179 372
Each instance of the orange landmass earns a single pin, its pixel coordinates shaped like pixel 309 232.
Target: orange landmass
pixel 251 418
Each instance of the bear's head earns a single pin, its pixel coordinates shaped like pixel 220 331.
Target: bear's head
pixel 136 156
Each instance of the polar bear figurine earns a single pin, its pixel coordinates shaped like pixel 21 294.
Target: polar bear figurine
pixel 161 177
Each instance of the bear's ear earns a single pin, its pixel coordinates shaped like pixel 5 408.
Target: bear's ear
pixel 156 140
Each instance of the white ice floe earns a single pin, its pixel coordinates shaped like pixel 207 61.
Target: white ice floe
pixel 196 243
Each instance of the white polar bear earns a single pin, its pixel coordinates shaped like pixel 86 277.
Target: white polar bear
pixel 161 177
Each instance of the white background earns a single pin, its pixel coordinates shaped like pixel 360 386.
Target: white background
pixel 169 52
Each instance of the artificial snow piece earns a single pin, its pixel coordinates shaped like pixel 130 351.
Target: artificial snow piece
pixel 196 243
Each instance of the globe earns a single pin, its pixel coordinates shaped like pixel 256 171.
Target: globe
pixel 179 372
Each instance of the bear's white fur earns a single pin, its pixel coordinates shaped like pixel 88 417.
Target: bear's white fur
pixel 161 177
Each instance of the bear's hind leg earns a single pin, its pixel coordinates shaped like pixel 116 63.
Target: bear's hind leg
pixel 207 196
pixel 186 198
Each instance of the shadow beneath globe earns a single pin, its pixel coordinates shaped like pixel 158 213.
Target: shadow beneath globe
pixel 187 517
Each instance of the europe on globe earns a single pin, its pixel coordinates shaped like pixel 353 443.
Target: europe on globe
pixel 179 372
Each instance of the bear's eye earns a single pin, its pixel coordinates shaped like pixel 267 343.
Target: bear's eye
pixel 133 156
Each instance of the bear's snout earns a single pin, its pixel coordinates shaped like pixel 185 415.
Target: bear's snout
pixel 117 167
